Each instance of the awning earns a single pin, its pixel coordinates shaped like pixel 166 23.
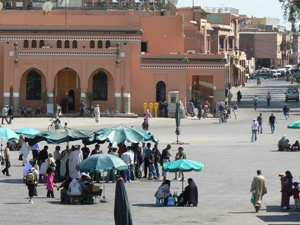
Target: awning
pixel 239 67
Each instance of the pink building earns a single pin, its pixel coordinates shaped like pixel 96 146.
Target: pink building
pixel 118 59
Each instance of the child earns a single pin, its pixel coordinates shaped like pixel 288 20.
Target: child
pixel 296 195
pixel 49 179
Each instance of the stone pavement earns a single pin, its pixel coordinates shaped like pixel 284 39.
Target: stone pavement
pixel 230 162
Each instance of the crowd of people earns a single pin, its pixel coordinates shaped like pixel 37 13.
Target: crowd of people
pixel 143 161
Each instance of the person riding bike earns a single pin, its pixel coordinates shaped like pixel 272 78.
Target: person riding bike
pixel 239 95
pixel 286 111
pixel 268 98
pixel 255 101
pixel 56 122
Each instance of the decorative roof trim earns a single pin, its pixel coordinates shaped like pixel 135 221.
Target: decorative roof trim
pixel 178 67
pixel 70 32
pixel 93 54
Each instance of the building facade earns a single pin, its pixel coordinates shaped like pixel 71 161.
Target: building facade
pixel 119 59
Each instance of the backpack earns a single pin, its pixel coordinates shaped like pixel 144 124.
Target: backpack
pixel 30 177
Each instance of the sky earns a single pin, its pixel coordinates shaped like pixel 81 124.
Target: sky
pixel 255 8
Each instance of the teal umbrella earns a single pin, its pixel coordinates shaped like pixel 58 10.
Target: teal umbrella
pixel 8 134
pixel 294 125
pixel 100 163
pixel 120 134
pixel 27 131
pixel 183 165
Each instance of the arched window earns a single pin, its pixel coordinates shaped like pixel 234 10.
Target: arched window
pixel 74 44
pixel 42 43
pixel 67 44
pixel 100 44
pixel 58 44
pixel 92 44
pixel 160 91
pixel 107 44
pixel 33 44
pixel 100 86
pixel 26 44
pixel 33 86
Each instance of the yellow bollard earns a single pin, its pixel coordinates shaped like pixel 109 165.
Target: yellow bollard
pixel 145 107
pixel 150 107
pixel 155 108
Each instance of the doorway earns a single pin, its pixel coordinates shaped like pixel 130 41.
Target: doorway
pixel 67 85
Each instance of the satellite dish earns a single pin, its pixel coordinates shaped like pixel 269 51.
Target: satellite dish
pixel 47 6
pixel 174 2
pixel 1 5
pixel 248 22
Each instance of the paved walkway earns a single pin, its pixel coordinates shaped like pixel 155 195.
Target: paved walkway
pixel 230 162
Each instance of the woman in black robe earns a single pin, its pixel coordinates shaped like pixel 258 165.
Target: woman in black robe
pixel 190 194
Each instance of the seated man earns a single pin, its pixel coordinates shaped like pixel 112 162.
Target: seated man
pixel 63 193
pixel 75 191
pixel 283 144
pixel 37 110
pixel 28 111
pixel 190 195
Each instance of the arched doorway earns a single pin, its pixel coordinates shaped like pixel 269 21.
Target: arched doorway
pixel 67 86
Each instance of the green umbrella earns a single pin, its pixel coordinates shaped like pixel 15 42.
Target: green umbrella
pixel 61 136
pixel 177 118
pixel 183 165
pixel 294 125
pixel 120 134
pixel 122 212
pixel 100 163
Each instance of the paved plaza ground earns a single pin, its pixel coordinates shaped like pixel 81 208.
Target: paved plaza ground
pixel 230 162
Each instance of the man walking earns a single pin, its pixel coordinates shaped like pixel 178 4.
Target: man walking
pixel 259 189
pixel 272 121
pixel 4 114
pixel 165 157
pixel 260 121
pixel 7 160
pixel 254 128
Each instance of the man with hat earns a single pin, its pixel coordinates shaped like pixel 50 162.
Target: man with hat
pixel 254 128
pixel 4 114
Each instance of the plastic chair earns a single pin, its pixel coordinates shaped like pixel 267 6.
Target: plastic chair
pixel 159 201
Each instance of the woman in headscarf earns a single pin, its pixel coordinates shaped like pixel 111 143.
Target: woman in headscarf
pixel 163 191
pixel 190 194
pixel 286 189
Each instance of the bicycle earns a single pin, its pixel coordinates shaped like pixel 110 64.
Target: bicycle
pixel 55 124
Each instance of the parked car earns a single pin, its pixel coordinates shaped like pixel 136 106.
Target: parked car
pixel 292 94
pixel 276 73
pixel 263 73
